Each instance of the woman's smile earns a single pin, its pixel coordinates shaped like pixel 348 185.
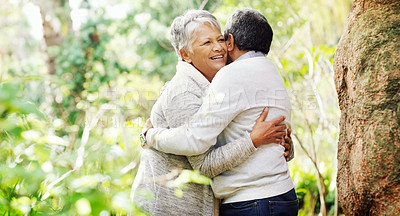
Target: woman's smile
pixel 209 51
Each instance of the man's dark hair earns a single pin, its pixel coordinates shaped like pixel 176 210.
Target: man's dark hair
pixel 250 30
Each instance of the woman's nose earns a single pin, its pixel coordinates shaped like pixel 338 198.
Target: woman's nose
pixel 217 46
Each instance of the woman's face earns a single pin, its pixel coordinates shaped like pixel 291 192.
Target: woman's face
pixel 209 52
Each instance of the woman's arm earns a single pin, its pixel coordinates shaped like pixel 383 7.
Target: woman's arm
pixel 222 158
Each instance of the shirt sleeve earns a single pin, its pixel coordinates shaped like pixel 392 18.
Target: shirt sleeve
pixel 220 106
pixel 217 159
pixel 220 159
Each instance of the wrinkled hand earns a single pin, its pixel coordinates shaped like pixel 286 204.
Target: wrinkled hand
pixel 266 132
pixel 287 143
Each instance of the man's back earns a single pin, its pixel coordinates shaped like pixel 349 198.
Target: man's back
pixel 248 86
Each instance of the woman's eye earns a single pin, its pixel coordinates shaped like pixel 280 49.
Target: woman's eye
pixel 221 40
pixel 207 42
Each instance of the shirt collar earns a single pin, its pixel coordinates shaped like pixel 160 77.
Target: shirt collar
pixel 250 54
pixel 190 70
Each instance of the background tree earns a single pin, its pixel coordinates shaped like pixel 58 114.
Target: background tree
pixel 367 77
pixel 57 24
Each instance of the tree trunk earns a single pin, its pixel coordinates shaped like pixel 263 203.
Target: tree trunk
pixel 367 78
pixel 54 12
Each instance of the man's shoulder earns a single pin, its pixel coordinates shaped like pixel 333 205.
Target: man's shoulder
pixel 239 68
pixel 253 62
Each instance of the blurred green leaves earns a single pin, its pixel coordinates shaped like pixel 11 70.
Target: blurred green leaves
pixel 13 110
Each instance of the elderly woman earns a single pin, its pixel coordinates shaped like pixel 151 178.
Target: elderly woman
pixel 200 46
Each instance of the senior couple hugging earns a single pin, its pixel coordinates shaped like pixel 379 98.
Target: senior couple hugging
pixel 232 126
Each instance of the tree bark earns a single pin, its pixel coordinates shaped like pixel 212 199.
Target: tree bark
pixel 53 12
pixel 367 78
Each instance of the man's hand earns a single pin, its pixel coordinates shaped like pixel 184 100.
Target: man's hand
pixel 287 143
pixel 266 132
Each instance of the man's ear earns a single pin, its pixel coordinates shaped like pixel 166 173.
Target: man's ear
pixel 230 42
pixel 185 55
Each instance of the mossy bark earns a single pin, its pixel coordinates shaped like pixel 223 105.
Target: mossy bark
pixel 367 78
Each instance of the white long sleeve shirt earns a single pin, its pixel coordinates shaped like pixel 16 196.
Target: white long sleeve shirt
pixel 238 94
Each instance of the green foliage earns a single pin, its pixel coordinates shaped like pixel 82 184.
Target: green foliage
pixel 41 172
pixel 315 118
pixel 13 110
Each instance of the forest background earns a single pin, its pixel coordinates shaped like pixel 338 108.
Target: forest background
pixel 78 79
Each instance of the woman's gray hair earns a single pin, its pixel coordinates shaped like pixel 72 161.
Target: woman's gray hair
pixel 183 28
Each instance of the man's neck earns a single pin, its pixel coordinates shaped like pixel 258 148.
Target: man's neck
pixel 235 54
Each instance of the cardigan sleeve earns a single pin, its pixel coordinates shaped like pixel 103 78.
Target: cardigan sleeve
pixel 223 158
